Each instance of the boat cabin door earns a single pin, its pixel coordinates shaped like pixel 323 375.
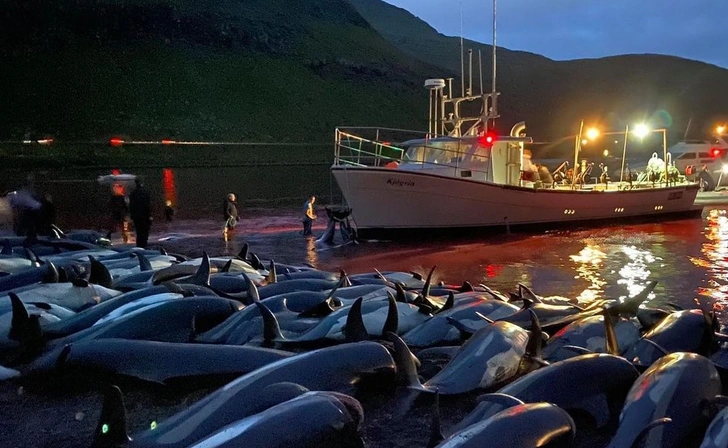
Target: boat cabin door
pixel 507 157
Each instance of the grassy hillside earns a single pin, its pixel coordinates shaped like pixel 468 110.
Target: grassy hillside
pixel 553 96
pixel 266 70
pixel 292 70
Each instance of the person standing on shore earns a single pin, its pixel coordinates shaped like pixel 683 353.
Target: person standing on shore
pixel 308 215
pixel 119 211
pixel 46 215
pixel 230 210
pixel 140 211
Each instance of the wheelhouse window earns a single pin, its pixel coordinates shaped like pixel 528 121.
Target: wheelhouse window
pixel 687 155
pixel 434 152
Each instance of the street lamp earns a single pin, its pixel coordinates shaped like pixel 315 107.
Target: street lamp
pixel 641 130
pixel 592 133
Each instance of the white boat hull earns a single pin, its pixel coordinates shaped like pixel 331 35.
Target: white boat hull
pixel 385 199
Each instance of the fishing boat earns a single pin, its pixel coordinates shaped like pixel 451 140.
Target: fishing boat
pixel 461 175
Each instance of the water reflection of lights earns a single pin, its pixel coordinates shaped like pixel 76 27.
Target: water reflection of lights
pixel 635 272
pixel 715 261
pixel 311 255
pixel 589 261
pixel 493 270
pixel 169 188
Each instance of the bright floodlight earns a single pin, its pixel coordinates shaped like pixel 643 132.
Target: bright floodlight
pixel 592 133
pixel 606 153
pixel 641 130
pixel 720 130
pixel 584 142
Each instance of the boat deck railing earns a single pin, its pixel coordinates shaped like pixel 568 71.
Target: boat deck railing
pixel 372 147
pixel 379 147
pixel 369 146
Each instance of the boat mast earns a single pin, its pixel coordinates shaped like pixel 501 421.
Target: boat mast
pixel 462 56
pixel 452 121
pixel 480 70
pixel 624 154
pixel 495 71
pixel 577 147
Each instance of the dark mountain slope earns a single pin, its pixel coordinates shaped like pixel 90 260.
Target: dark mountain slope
pixel 553 96
pixel 250 69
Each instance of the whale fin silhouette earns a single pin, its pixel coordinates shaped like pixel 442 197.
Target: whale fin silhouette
pixel 99 274
pixel 272 275
pixel 449 303
pixel 354 330
pixel 111 430
pixel 202 276
pixel 271 328
pixel 436 426
pixel 610 334
pixel 391 324
pixel 144 264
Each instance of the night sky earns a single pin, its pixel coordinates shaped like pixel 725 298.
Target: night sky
pixel 572 29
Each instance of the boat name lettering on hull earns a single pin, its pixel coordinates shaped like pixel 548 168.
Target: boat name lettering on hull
pixel 675 195
pixel 400 183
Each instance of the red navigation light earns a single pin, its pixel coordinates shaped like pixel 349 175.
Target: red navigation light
pixel 488 139
pixel 715 152
pixel 116 142
pixel 168 142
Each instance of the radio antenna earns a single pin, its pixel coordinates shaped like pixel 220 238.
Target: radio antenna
pixel 462 60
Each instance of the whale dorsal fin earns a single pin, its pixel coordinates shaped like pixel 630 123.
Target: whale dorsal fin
pixel 144 264
pixel 272 274
pixel 32 256
pixel 345 277
pixel 243 254
pixel 98 274
pixel 428 282
pixel 646 430
pixel 405 362
pixel 449 303
pixel 392 322
pixel 436 426
pixel 20 318
pixel 202 276
pixel 354 330
pixel 271 328
pixel 255 262
pixel 466 287
pixel 51 274
pixel 535 338
pixel 111 430
pixel 610 339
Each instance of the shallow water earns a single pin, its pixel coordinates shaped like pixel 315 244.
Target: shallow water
pixel 688 258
